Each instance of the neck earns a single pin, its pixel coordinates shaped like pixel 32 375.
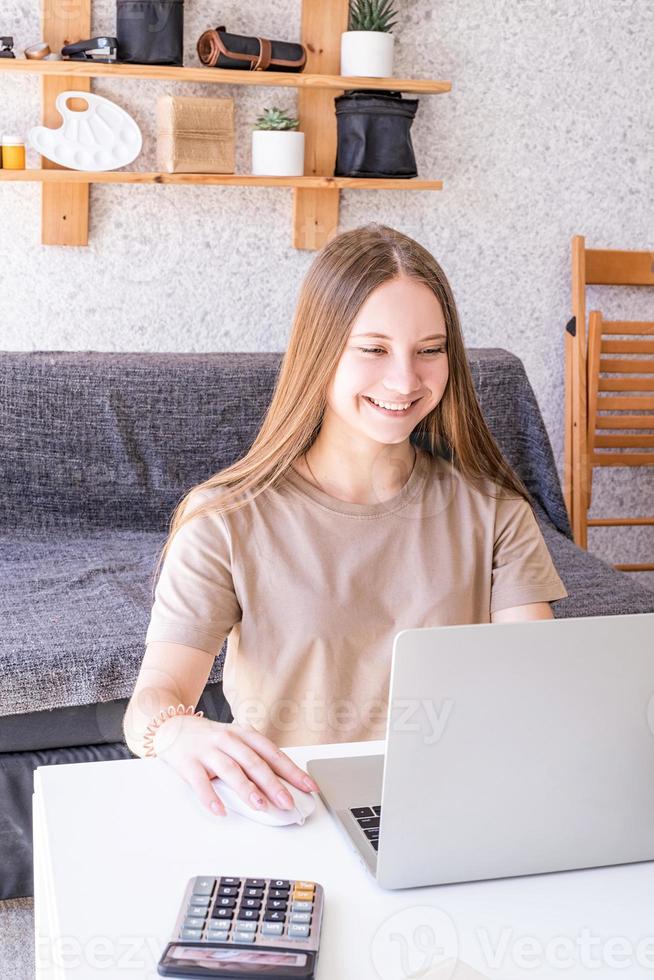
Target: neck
pixel 357 471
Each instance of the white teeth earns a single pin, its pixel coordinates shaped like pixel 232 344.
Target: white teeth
pixel 393 407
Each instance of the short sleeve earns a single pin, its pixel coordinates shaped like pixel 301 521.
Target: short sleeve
pixel 195 602
pixel 523 570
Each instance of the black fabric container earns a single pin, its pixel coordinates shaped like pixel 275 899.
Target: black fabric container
pixel 373 133
pixel 150 32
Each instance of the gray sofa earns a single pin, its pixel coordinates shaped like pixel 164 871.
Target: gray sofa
pixel 95 451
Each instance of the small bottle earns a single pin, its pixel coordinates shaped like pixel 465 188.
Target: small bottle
pixel 13 153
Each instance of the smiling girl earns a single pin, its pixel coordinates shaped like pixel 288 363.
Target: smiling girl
pixel 373 499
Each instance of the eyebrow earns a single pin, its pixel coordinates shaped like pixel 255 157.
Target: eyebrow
pixel 383 336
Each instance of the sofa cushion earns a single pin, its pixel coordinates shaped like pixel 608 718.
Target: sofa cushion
pixel 74 608
pixel 594 588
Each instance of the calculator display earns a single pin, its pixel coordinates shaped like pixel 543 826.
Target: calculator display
pixel 233 958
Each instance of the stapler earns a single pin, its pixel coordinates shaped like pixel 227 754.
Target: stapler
pixel 100 49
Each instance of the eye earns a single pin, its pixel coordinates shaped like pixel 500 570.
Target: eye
pixel 374 350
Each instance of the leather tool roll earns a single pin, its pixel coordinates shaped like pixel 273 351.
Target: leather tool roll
pixel 218 49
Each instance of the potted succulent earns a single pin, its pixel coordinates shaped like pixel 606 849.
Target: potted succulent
pixel 277 150
pixel 367 48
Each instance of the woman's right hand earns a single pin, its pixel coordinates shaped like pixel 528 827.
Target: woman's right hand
pixel 250 763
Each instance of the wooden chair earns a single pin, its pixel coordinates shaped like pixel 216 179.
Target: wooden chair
pixel 595 267
pixel 622 386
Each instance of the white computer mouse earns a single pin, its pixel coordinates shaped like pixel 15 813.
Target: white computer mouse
pixel 272 816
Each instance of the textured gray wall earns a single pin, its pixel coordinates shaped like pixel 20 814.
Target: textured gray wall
pixel 548 132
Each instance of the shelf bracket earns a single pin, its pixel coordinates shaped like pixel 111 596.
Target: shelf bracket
pixel 64 207
pixel 315 212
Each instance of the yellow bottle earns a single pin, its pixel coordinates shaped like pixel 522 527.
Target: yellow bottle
pixel 13 153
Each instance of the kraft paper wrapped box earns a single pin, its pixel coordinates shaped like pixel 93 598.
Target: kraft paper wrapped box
pixel 195 135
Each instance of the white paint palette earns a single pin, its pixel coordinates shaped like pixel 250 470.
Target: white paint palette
pixel 101 137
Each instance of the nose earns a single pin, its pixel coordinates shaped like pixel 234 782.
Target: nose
pixel 403 380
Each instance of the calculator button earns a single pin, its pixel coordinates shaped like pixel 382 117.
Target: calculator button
pixel 191 933
pixel 274 916
pixel 272 928
pixel 305 886
pixel 278 893
pixel 255 882
pixel 217 935
pixel 372 834
pixel 250 903
pixel 361 811
pixel 369 822
pixel 377 810
pixel 301 906
pixel 280 883
pixel 275 903
pixel 243 937
pixel 224 902
pixel 231 881
pixel 246 926
pixel 222 913
pixel 298 931
pixel 302 896
pixel 249 914
pixel 375 844
pixel 201 901
pixel 204 886
pixel 300 916
pixel 192 922
pixel 229 891
pixel 197 911
pixel 253 893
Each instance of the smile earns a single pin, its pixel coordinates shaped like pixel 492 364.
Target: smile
pixel 391 408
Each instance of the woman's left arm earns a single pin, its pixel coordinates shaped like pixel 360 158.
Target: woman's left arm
pixel 521 614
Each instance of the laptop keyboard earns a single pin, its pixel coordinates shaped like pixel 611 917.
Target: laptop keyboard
pixel 368 819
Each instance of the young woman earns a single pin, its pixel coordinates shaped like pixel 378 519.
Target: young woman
pixel 373 499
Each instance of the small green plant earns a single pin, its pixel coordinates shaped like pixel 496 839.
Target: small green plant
pixel 372 15
pixel 276 118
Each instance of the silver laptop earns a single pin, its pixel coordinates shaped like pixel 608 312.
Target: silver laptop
pixel 511 749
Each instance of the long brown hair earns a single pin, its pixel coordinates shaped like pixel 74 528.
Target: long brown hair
pixel 338 282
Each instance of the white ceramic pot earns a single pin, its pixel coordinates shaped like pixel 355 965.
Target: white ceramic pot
pixel 367 53
pixel 278 152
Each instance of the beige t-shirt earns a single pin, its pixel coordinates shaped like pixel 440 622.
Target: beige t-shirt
pixel 312 591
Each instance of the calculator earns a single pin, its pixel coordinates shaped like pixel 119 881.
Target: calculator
pixel 240 928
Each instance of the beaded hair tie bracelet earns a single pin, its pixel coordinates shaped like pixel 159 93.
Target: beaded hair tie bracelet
pixel 158 720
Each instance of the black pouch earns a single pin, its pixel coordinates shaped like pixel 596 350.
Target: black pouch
pixel 150 32
pixel 373 134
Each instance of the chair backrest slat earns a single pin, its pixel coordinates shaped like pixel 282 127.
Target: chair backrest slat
pixel 623 459
pixel 621 366
pixel 607 267
pixel 619 440
pixel 628 347
pixel 641 403
pixel 626 384
pixel 624 422
pixel 644 327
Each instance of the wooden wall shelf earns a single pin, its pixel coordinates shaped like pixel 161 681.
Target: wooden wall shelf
pixel 245 180
pixel 65 193
pixel 221 76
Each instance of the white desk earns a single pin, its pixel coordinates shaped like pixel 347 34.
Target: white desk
pixel 116 842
